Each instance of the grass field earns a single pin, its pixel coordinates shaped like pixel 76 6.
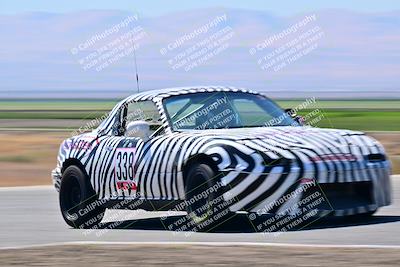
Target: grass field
pixel 364 115
pixel 363 120
pixel 54 104
pixel 347 104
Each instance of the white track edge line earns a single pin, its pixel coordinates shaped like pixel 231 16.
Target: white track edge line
pixel 216 244
pixel 26 188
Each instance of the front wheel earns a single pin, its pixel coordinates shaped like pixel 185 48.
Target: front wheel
pixel 205 203
pixel 79 204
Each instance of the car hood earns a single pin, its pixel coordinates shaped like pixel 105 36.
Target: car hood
pixel 297 137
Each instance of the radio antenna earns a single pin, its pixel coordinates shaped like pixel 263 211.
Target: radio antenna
pixel 136 70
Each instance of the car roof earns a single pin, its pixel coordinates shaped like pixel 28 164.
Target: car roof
pixel 167 92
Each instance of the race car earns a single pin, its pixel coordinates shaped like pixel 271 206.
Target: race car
pixel 214 151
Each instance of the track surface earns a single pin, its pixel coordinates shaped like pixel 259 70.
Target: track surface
pixel 30 216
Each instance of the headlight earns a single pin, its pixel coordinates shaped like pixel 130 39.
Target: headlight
pixel 376 157
pixel 277 162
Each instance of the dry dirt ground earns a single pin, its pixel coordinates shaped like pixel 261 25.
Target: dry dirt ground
pixel 195 255
pixel 27 158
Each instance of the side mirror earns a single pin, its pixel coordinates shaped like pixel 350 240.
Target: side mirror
pixel 292 113
pixel 139 129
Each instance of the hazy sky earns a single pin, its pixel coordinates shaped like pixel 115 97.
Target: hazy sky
pixel 356 48
pixel 158 7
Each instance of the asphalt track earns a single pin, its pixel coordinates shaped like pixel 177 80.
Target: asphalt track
pixel 30 216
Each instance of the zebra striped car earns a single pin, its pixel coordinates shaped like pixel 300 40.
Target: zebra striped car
pixel 213 151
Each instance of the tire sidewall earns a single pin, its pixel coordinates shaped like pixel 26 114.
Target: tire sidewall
pixel 81 216
pixel 208 219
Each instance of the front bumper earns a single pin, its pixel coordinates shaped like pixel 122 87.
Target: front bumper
pixel 56 178
pixel 352 191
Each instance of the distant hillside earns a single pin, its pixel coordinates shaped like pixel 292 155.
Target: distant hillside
pixel 358 54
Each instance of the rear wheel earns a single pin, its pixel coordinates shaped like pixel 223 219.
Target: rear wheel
pixel 205 203
pixel 79 203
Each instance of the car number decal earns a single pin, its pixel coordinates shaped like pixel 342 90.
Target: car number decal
pixel 124 168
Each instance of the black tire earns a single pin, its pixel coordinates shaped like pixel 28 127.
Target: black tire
pixel 206 207
pixel 79 203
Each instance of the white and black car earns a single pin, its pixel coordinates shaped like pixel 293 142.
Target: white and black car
pixel 214 151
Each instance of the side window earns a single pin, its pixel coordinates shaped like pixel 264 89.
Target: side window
pixel 144 111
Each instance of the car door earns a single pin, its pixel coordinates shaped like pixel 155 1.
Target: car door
pixel 109 161
pixel 132 155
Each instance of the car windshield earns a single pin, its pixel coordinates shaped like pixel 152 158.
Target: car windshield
pixel 218 110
